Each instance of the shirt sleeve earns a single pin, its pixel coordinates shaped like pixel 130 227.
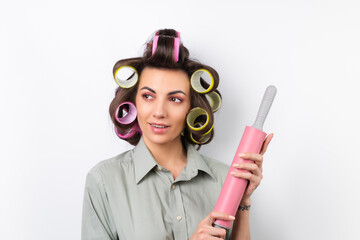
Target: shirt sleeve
pixel 97 222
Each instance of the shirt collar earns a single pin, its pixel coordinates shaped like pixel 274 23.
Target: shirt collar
pixel 196 162
pixel 144 162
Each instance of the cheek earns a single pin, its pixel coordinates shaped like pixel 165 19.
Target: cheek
pixel 141 113
pixel 140 108
pixel 181 115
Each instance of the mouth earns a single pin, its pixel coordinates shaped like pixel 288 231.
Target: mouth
pixel 156 125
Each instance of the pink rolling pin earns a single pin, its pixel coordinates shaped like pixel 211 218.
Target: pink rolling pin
pixel 251 141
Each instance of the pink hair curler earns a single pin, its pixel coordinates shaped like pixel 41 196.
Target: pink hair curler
pixel 130 113
pixel 177 44
pixel 155 43
pixel 251 141
pixel 131 132
pixel 176 48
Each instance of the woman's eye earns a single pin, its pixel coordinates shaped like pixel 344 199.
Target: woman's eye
pixel 175 99
pixel 147 96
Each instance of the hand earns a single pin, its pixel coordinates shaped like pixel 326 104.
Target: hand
pixel 205 230
pixel 254 174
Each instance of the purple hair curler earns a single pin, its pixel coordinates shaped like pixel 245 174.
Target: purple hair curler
pixel 127 112
pixel 251 141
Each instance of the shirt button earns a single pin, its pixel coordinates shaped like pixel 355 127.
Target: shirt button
pixel 173 186
pixel 159 168
pixel 179 218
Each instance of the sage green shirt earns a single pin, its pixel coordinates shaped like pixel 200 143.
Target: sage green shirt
pixel 131 197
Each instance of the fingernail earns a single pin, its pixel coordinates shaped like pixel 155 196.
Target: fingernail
pixel 236 165
pixel 242 155
pixel 232 173
pixel 231 217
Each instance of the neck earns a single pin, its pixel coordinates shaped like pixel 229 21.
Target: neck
pixel 170 155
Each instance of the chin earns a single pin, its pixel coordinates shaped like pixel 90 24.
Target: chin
pixel 162 139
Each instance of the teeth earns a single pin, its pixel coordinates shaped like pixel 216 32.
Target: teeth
pixel 157 126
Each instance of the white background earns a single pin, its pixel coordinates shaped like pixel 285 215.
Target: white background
pixel 56 62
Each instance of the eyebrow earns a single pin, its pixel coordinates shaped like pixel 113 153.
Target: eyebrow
pixel 170 93
pixel 151 90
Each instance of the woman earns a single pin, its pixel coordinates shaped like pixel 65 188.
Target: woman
pixel 163 188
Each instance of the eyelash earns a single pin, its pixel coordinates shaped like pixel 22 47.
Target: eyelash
pixel 176 98
pixel 173 99
pixel 146 96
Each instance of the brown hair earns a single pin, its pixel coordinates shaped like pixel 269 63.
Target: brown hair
pixel 164 58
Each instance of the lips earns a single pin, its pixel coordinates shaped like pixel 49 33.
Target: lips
pixel 159 128
pixel 158 125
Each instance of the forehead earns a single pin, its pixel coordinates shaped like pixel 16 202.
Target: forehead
pixel 164 79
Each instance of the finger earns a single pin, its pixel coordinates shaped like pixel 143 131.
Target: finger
pixel 210 219
pixel 252 167
pixel 220 215
pixel 215 238
pixel 252 178
pixel 218 233
pixel 243 175
pixel 251 156
pixel 266 143
pixel 257 158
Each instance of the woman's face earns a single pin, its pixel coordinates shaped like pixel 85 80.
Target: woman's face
pixel 162 102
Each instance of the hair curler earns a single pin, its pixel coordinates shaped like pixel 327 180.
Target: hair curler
pixel 177 43
pixel 128 133
pixel 251 141
pixel 195 81
pixel 126 76
pixel 126 113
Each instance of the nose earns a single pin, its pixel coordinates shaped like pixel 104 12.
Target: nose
pixel 160 110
